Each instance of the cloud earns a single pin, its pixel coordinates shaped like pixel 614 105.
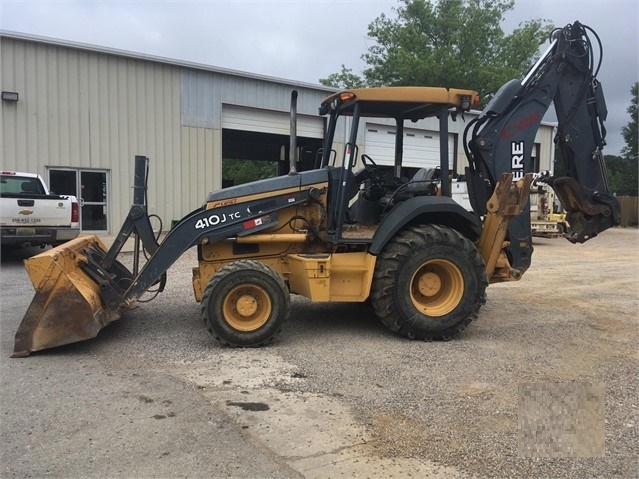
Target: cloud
pixel 302 40
pixel 616 24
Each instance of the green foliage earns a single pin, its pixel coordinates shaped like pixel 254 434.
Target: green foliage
pixel 629 131
pixel 343 80
pixel 451 43
pixel 245 171
pixel 620 176
pixel 623 170
pixel 558 167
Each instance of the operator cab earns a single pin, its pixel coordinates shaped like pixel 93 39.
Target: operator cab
pixel 364 192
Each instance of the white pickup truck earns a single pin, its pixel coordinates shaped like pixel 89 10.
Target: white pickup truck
pixel 30 215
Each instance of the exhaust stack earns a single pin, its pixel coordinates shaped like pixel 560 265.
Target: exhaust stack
pixel 293 145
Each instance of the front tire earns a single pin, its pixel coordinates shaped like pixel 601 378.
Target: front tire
pixel 245 304
pixel 429 283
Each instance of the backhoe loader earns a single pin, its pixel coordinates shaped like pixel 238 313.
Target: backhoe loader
pixel 348 231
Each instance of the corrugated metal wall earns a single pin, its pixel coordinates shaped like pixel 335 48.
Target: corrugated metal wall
pixel 545 139
pixel 90 109
pixel 86 109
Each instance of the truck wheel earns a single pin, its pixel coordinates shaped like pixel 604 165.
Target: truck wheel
pixel 561 227
pixel 245 304
pixel 429 283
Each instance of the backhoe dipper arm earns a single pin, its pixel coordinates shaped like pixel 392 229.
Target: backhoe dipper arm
pixel 501 140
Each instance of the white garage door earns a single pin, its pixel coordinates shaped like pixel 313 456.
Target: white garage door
pixel 421 147
pixel 273 122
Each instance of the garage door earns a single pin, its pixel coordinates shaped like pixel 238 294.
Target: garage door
pixel 273 122
pixel 421 147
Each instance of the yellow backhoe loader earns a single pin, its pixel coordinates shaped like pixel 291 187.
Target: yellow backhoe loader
pixel 349 231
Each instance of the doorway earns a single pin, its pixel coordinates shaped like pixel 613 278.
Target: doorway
pixel 250 155
pixel 91 188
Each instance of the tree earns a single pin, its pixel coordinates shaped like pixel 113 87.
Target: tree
pixel 623 170
pixel 344 79
pixel 452 43
pixel 630 131
pixel 245 171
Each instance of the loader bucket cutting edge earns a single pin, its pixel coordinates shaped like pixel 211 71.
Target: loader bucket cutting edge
pixel 66 307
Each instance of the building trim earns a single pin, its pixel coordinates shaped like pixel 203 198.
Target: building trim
pixel 160 59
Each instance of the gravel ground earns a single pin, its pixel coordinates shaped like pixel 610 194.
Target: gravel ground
pixel 571 319
pixel 371 404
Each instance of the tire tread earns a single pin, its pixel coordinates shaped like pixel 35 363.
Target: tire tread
pixel 220 276
pixel 395 255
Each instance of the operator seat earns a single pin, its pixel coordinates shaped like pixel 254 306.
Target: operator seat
pixel 422 181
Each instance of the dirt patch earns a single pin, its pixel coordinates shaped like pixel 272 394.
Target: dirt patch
pixel 397 435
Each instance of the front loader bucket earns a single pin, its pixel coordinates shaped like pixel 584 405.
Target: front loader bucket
pixel 66 307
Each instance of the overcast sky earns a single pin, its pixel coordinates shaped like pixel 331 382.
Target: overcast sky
pixel 304 40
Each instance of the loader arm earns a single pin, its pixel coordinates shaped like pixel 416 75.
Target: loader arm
pixel 500 140
pixel 81 286
pixel 209 226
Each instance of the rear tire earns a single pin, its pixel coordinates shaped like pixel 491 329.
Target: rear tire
pixel 429 283
pixel 245 304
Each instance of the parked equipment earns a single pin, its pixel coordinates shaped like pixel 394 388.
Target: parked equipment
pixel 344 231
pixel 547 217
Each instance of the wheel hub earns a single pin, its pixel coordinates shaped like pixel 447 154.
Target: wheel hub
pixel 429 284
pixel 437 287
pixel 246 305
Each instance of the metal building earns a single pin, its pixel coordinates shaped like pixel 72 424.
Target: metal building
pixel 83 112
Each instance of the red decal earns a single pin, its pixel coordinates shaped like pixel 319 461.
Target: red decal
pixel 510 131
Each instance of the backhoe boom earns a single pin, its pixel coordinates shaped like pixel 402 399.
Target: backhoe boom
pixel 501 140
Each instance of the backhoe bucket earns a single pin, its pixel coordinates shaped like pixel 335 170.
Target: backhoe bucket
pixel 66 307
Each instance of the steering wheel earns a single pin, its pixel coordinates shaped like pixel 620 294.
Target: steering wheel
pixel 368 161
pixel 372 170
pixel 372 178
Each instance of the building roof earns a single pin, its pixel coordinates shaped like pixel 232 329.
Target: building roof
pixel 158 59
